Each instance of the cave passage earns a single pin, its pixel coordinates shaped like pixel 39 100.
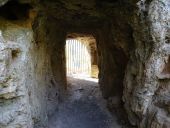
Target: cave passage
pixel 83 105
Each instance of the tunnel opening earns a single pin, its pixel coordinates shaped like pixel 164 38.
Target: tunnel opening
pixel 81 57
pixel 84 105
pixel 78 58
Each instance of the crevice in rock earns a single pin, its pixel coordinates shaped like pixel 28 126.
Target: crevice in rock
pixel 15 53
pixel 167 39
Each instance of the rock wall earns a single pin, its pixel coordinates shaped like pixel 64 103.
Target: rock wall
pixel 29 89
pixel 146 92
pixel 14 106
pixel 44 92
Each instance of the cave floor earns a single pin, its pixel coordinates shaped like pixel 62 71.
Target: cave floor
pixel 83 107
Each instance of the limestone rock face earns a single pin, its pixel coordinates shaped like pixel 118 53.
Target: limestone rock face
pixel 147 83
pixel 14 105
pixel 28 91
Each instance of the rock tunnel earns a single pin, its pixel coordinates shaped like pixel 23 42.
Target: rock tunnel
pixel 132 40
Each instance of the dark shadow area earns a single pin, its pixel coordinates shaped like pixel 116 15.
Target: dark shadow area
pixel 14 10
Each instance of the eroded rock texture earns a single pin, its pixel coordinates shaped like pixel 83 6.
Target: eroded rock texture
pixel 28 90
pixel 15 44
pixel 146 93
pixel 133 45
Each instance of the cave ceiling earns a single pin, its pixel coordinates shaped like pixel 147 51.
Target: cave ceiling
pixel 80 10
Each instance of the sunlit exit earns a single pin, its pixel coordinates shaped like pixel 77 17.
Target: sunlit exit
pixel 78 59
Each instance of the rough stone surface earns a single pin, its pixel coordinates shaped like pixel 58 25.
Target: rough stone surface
pixel 28 91
pixel 14 106
pixel 133 44
pixel 146 92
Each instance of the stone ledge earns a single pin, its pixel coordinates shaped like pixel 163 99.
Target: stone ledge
pixel 163 76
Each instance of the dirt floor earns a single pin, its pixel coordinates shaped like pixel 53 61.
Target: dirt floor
pixel 83 107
